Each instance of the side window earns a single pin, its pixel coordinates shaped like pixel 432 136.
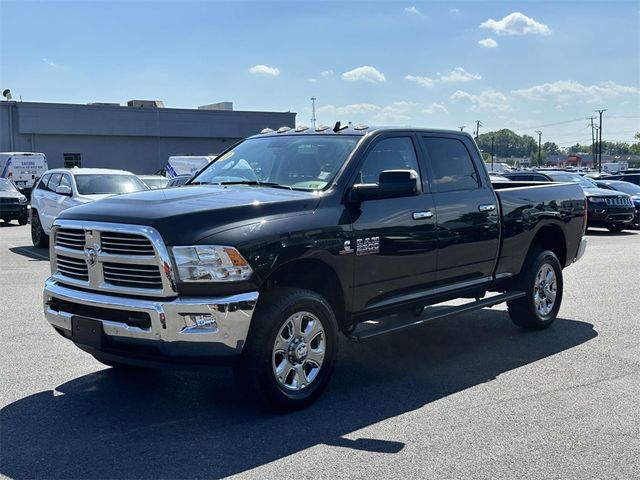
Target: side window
pixel 54 182
pixel 539 178
pixel 42 185
pixel 451 164
pixel 396 153
pixel 65 180
pixel 72 160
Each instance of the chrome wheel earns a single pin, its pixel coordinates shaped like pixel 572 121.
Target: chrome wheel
pixel 298 351
pixel 545 290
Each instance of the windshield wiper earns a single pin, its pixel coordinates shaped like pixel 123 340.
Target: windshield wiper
pixel 256 183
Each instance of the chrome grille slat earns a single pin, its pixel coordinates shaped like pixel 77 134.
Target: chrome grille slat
pixel 133 275
pixel 127 244
pixel 72 267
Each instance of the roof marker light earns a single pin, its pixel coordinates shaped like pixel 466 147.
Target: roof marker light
pixel 321 128
pixel 361 126
pixel 266 130
pixel 283 129
pixel 301 128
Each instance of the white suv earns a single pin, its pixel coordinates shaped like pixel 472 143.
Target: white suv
pixel 63 188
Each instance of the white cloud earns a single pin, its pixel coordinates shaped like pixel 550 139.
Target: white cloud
pixel 264 70
pixel 488 43
pixel 516 23
pixel 571 90
pixel 422 81
pixel 312 80
pixel 366 73
pixel 487 101
pixel 455 11
pixel 459 74
pixel 351 109
pixel 49 63
pixel 436 108
pixel 414 11
pixel 327 73
pixel 369 112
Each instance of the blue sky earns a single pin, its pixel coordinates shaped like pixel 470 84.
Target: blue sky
pixel 392 63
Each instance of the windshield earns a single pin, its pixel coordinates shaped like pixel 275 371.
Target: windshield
pixel 156 182
pixel 6 186
pixel 571 177
pixel 105 183
pixel 624 187
pixel 305 162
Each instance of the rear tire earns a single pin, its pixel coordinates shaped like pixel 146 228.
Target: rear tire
pixel 38 237
pixel 541 280
pixel 290 351
pixel 616 228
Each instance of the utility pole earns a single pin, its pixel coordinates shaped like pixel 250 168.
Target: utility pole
pixel 313 111
pixel 492 139
pixel 600 141
pixel 593 141
pixel 539 145
pixel 478 125
pixel 462 128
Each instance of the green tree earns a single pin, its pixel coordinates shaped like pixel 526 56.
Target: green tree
pixel 551 148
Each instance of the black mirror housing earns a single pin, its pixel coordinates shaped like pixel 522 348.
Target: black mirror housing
pixel 391 184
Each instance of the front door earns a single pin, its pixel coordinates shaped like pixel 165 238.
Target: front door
pixel 394 239
pixel 467 212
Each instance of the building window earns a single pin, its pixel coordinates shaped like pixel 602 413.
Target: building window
pixel 72 160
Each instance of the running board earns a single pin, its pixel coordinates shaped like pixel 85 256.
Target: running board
pixel 382 329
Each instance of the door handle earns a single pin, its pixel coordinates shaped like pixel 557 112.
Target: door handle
pixel 422 215
pixel 486 208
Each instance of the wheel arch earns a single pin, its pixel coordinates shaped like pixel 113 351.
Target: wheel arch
pixel 551 237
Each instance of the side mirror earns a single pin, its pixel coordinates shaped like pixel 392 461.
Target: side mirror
pixel 391 184
pixel 63 190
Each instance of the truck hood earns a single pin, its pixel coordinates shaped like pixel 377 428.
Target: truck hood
pixel 185 215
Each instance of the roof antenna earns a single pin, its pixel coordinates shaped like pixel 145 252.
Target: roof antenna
pixel 339 127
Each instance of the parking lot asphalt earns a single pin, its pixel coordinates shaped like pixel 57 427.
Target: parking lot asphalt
pixel 470 397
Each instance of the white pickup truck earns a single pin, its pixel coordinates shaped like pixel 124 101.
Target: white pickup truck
pixel 63 188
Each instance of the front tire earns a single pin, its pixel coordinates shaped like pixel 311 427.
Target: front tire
pixel 23 221
pixel 616 228
pixel 541 280
pixel 291 349
pixel 38 237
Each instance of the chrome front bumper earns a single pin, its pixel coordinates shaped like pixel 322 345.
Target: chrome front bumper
pixel 581 249
pixel 183 327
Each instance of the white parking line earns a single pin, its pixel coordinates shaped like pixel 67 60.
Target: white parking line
pixel 29 252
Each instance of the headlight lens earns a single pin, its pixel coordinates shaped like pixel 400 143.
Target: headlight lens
pixel 210 263
pixel 596 199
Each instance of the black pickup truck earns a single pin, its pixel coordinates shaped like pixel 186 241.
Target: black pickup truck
pixel 294 236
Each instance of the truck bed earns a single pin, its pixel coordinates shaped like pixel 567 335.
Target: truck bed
pixel 526 207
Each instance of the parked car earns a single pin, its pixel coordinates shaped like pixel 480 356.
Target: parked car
pixel 187 164
pixel 178 181
pixel 60 189
pixel 628 188
pixel 266 258
pixel 625 177
pixel 614 212
pixel 154 181
pixel 13 204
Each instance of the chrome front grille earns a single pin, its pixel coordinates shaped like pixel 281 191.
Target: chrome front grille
pixel 111 257
pixel 618 201
pixel 72 267
pixel 126 244
pixel 136 276
pixel 70 238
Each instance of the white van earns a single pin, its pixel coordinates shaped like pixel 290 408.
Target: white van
pixel 187 164
pixel 22 168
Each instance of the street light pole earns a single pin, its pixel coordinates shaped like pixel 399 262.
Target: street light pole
pixel 492 139
pixel 600 141
pixel 539 145
pixel 313 111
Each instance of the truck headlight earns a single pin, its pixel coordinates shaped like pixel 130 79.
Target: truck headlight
pixel 22 200
pixel 210 263
pixel 597 200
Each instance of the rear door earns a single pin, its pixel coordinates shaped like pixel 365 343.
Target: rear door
pixel 467 211
pixel 394 239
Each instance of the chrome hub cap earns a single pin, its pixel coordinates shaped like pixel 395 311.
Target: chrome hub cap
pixel 298 352
pixel 545 290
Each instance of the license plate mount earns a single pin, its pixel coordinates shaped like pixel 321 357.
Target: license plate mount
pixel 87 331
